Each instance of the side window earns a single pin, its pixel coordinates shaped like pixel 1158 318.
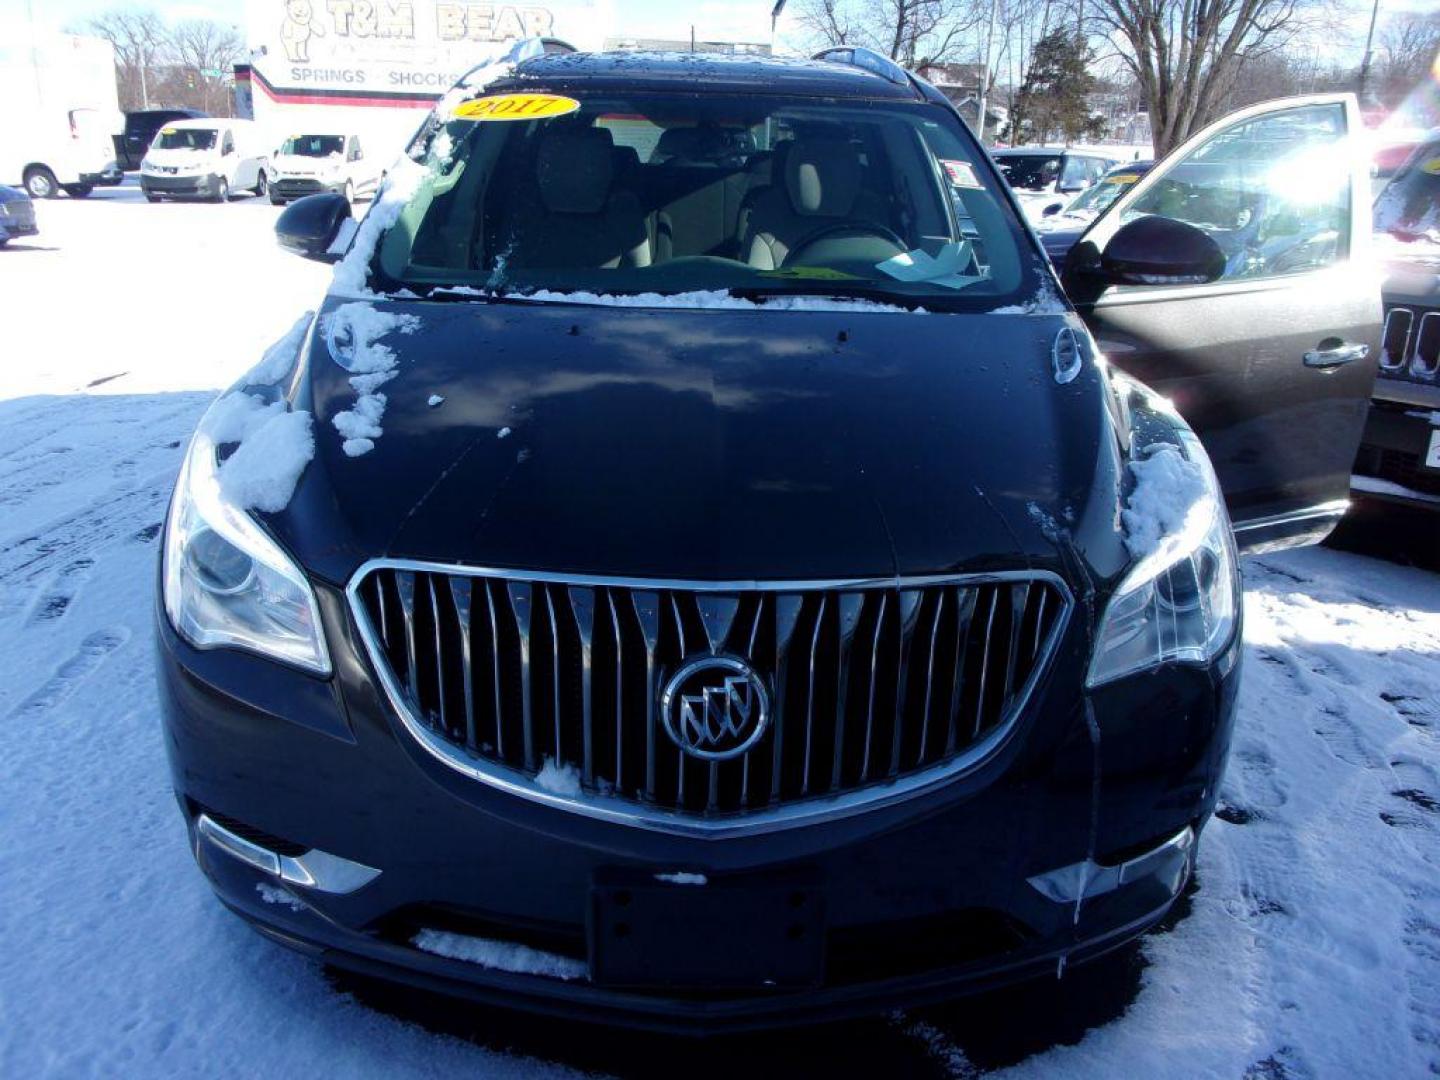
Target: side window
pixel 1095 168
pixel 228 146
pixel 1074 176
pixel 1273 192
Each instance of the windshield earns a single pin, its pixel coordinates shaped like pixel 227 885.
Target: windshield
pixel 185 139
pixel 1408 210
pixel 669 193
pixel 1093 200
pixel 316 146
pixel 1032 171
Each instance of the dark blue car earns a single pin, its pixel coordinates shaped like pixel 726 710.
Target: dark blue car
pixel 691 573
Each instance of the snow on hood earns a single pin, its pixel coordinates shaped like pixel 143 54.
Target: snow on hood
pixel 1168 488
pixel 353 332
pixel 273 447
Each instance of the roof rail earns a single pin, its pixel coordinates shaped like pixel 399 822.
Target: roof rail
pixel 868 59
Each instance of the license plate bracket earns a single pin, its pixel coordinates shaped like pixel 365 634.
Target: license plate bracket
pixel 728 933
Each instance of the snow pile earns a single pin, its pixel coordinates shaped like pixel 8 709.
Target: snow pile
pixel 262 472
pixel 274 446
pixel 500 955
pixel 435 401
pixel 279 359
pixel 353 332
pixel 712 298
pixel 273 894
pixel 1168 488
pixel 681 877
pixel 353 271
pixel 558 779
pixel 236 414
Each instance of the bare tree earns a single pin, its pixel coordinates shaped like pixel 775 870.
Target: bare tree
pixel 1409 46
pixel 913 33
pixel 206 52
pixel 1187 54
pixel 139 37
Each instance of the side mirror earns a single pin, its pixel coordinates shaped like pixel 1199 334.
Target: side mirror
pixel 1155 250
pixel 310 225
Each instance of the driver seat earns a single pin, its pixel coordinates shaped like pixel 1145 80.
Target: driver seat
pixel 818 188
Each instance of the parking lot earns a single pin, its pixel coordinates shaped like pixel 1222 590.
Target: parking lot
pixel 1308 946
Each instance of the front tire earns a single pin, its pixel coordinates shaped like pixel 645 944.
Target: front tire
pixel 349 192
pixel 40 183
pixel 222 191
pixel 260 185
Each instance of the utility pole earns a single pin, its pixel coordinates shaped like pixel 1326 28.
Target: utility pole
pixel 1365 63
pixel 985 75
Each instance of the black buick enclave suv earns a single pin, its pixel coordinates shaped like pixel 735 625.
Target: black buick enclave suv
pixel 697 570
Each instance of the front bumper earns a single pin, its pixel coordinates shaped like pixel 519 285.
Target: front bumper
pixel 13 226
pixel 180 186
pixel 921 900
pixel 1391 461
pixel 291 187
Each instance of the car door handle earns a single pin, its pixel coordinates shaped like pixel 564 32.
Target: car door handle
pixel 1341 353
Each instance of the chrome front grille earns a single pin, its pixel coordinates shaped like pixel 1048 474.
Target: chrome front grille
pixel 549 686
pixel 1411 344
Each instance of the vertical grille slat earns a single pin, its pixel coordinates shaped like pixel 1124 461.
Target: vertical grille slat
pixel 440 694
pixel 866 684
pixel 851 605
pixel 870 700
pixel 813 671
pixel 461 593
pixel 521 602
pixel 964 619
pixel 581 604
pixel 909 614
pixel 647 612
pixel 787 614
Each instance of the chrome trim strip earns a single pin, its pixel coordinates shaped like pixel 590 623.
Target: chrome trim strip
pixel 1086 879
pixel 807 811
pixel 316 869
pixel 1335 508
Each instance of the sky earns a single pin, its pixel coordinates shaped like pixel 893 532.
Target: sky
pixel 735 20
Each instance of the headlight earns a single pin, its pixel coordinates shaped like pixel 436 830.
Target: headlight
pixel 226 583
pixel 1180 602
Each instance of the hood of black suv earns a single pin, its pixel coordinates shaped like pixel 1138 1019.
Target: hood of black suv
pixel 715 444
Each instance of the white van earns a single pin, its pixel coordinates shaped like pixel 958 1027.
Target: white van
pixel 208 159
pixel 61 114
pixel 309 164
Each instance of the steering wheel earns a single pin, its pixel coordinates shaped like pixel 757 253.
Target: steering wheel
pixel 862 229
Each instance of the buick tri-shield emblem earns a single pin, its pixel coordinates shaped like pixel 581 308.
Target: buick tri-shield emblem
pixel 715 707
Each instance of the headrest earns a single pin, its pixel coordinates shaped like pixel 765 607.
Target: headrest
pixel 822 176
pixel 574 169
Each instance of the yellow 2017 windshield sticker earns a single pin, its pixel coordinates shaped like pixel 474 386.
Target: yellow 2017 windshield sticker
pixel 515 107
pixel 1123 178
pixel 168 131
pixel 1432 166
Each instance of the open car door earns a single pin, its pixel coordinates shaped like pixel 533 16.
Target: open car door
pixel 1235 279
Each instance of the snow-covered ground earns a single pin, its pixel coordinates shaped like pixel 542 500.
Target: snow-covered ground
pixel 1312 947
